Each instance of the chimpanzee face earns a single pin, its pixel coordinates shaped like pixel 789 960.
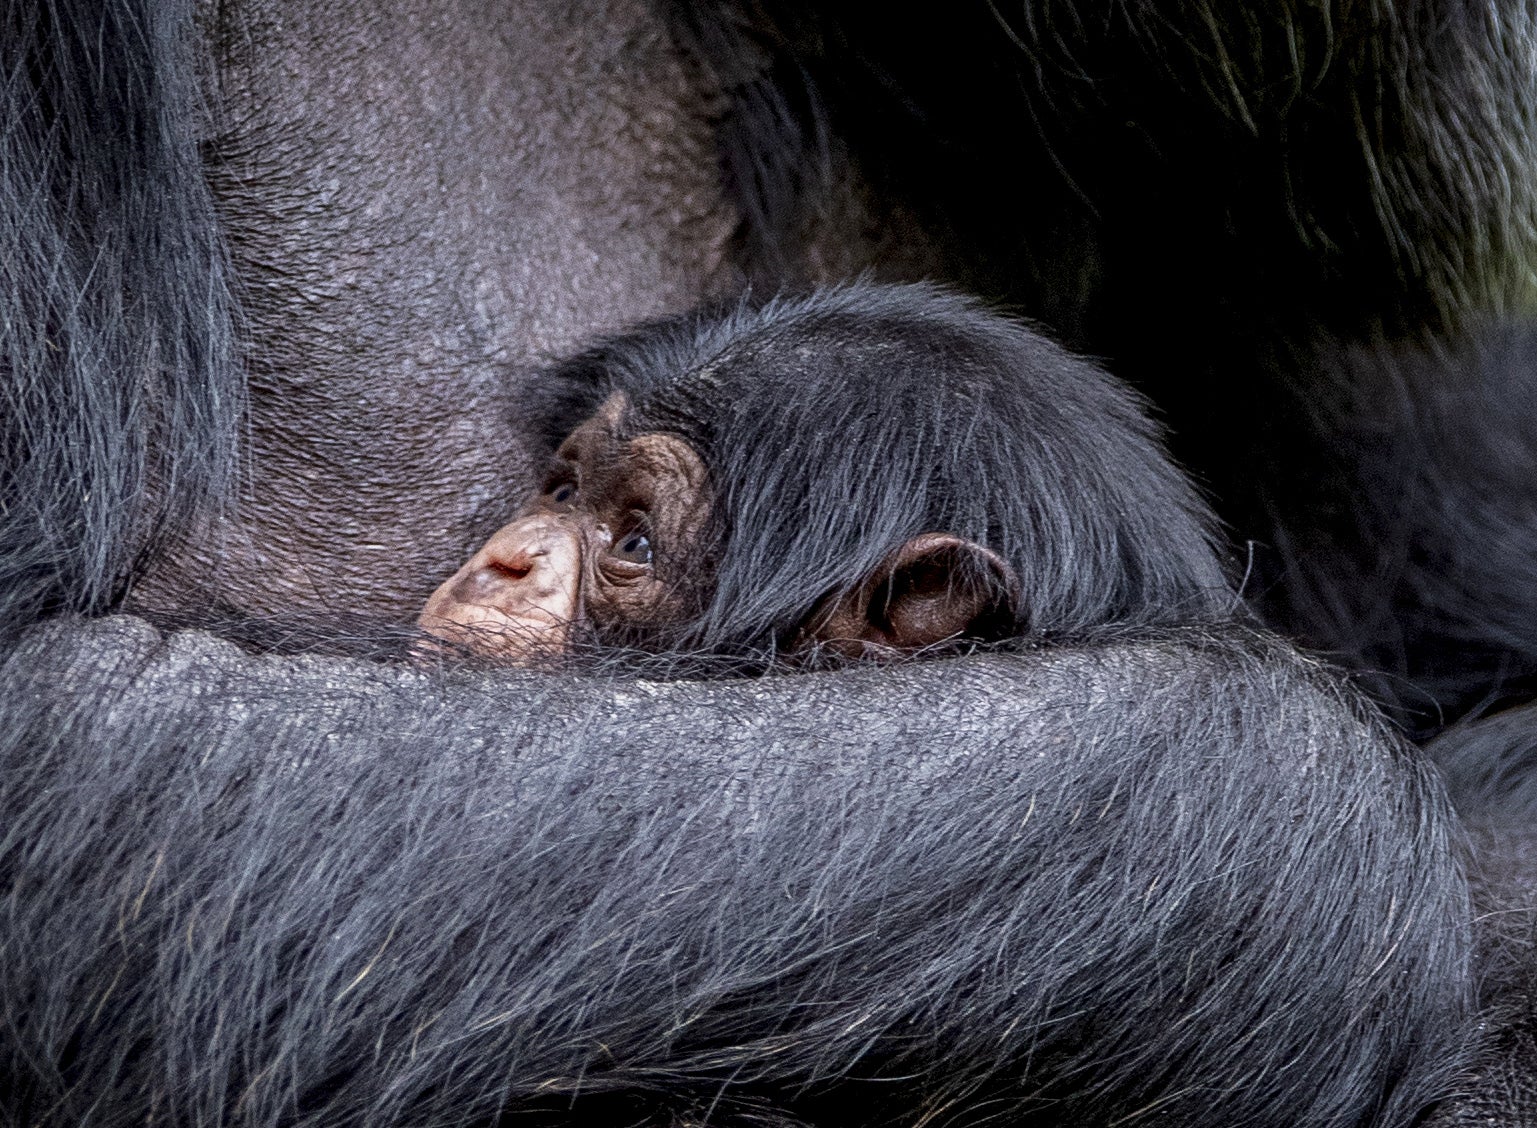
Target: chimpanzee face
pixel 613 542
pixel 619 546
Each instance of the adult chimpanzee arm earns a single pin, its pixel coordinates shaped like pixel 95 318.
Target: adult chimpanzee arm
pixel 1488 764
pixel 1179 878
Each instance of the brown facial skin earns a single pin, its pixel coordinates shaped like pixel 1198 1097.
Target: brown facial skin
pixel 618 537
pixel 614 537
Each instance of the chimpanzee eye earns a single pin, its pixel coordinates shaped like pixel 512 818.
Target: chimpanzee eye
pixel 561 493
pixel 634 547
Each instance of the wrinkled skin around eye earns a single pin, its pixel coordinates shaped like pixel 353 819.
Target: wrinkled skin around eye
pixel 559 563
pixel 634 547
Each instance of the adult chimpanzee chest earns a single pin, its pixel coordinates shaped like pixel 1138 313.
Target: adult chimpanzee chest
pixel 424 202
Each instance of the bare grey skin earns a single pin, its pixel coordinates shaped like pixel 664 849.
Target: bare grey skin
pixel 448 213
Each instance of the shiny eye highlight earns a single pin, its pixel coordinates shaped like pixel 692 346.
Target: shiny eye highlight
pixel 634 547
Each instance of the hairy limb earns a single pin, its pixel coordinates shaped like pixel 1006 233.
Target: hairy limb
pixel 1179 877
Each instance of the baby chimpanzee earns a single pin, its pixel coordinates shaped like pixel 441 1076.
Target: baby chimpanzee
pixel 866 471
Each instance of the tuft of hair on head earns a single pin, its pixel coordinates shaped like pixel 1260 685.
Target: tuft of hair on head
pixel 840 425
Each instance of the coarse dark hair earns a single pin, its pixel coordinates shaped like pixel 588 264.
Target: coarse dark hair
pixel 120 395
pixel 839 424
pixel 1183 879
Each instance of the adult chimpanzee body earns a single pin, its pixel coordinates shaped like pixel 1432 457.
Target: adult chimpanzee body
pixel 272 315
pixel 1182 872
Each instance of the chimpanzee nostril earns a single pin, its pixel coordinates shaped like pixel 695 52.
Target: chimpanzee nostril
pixel 484 584
pixel 514 570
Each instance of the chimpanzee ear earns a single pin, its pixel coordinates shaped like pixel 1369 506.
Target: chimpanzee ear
pixel 935 587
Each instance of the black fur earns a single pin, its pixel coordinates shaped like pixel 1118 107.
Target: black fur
pixel 1180 879
pixel 838 426
pixel 1177 879
pixel 1411 549
pixel 1232 202
pixel 120 398
pixel 1491 770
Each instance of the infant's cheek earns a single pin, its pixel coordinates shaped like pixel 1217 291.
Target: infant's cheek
pixel 642 603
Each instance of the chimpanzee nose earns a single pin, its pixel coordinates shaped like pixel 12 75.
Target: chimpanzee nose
pixel 514 569
pixel 518 596
pixel 485 584
pixel 517 555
